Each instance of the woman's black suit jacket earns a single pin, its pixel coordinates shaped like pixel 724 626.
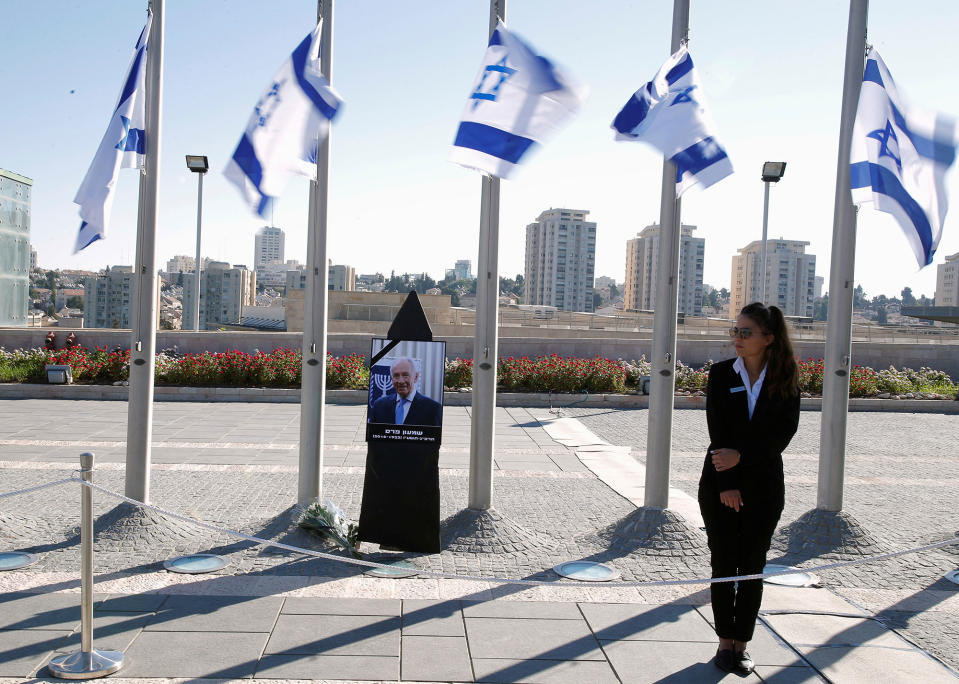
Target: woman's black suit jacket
pixel 760 441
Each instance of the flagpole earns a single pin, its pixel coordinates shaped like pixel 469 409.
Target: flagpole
pixel 663 362
pixel 313 384
pixel 837 362
pixel 485 334
pixel 144 318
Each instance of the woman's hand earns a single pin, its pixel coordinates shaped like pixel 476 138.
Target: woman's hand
pixel 732 498
pixel 724 459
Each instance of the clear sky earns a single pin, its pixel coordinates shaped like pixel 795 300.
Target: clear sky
pixel 772 72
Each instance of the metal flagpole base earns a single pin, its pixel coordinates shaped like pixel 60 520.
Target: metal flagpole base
pixel 86 664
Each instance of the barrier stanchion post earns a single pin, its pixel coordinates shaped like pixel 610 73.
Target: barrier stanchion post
pixel 87 663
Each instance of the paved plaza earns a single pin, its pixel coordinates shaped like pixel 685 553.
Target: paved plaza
pixel 565 485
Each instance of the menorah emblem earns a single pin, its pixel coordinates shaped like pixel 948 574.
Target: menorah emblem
pixel 383 382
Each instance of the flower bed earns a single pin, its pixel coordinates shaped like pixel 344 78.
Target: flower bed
pixel 283 368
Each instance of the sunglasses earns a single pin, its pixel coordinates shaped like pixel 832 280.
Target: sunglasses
pixel 741 333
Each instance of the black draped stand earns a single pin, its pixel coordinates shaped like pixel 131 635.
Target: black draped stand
pixel 401 490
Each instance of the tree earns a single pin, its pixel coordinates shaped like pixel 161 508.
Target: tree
pixel 75 302
pixel 859 298
pixel 821 308
pixel 907 298
pixel 613 292
pixel 179 279
pixel 597 300
pixel 882 317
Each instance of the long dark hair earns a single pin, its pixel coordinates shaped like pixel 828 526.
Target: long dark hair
pixel 782 373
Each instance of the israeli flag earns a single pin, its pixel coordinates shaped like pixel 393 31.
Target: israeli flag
pixel 899 159
pixel 670 114
pixel 292 115
pixel 122 146
pixel 519 99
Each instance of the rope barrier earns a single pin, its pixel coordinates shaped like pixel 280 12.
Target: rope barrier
pixel 478 578
pixel 504 580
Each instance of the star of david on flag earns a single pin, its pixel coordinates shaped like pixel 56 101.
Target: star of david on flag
pixel 899 158
pixel 519 99
pixel 287 123
pixel 670 114
pixel 122 146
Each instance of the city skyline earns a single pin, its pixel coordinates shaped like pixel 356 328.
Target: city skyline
pixel 391 186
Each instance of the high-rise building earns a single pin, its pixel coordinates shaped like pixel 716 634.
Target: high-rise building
pixel 269 246
pixel 560 259
pixel 642 266
pixel 15 192
pixel 224 291
pixel 947 282
pixel 274 274
pixel 106 298
pixel 790 277
pixel 33 258
pixel 461 271
pixel 181 264
pixel 342 277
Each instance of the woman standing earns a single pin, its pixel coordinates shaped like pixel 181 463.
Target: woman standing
pixel 752 408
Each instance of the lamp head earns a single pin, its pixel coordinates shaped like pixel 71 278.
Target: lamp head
pixel 773 171
pixel 197 163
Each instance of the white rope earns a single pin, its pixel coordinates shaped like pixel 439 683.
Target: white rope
pixel 38 487
pixel 503 580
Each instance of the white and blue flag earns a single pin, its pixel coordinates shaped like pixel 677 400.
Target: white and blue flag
pixel 669 113
pixel 899 159
pixel 519 99
pixel 288 121
pixel 122 146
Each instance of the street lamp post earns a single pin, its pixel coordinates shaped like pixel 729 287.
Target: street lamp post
pixel 199 165
pixel 772 173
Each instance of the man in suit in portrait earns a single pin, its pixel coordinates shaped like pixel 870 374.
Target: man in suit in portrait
pixel 407 406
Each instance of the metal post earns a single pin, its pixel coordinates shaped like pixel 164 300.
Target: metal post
pixel 485 332
pixel 144 318
pixel 313 385
pixel 762 296
pixel 835 394
pixel 196 266
pixel 663 361
pixel 87 663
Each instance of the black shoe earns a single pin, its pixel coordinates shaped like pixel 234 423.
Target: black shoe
pixel 744 663
pixel 725 660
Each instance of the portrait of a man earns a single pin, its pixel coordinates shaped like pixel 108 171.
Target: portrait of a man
pixel 407 406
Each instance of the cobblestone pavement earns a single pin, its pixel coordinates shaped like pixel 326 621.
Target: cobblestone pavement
pixel 902 485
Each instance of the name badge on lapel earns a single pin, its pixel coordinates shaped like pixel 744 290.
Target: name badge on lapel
pixel 733 390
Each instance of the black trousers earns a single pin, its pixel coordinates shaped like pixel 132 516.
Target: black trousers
pixel 738 543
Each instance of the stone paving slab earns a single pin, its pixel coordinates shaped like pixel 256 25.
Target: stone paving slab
pixel 432 618
pixel 531 639
pixel 612 621
pixel 329 668
pixel 436 659
pixel 505 671
pixel 675 662
pixel 211 655
pixel 857 650
pixel 210 614
pixel 23 651
pixel 359 635
pixel 114 631
pixel 342 606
